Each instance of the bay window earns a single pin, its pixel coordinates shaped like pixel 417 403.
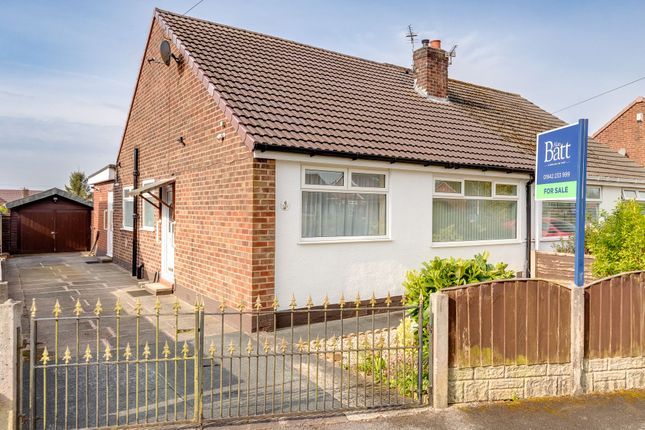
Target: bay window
pixel 469 210
pixel 559 217
pixel 343 203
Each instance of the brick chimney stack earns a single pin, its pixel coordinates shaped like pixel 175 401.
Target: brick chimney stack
pixel 431 70
pixel 25 192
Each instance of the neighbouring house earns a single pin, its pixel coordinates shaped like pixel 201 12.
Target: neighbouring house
pixel 253 166
pixel 102 184
pixel 50 221
pixel 625 133
pixel 8 195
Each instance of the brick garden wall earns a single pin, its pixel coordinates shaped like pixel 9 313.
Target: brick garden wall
pixel 224 235
pixel 625 132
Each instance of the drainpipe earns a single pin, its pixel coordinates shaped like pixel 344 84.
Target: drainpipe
pixel 529 229
pixel 135 211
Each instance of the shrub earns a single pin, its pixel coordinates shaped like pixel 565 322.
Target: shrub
pixel 618 241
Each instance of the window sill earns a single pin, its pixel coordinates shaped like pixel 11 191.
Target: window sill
pixel 146 229
pixel 476 243
pixel 127 228
pixel 361 239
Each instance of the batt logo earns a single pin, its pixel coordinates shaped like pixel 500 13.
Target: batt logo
pixel 556 151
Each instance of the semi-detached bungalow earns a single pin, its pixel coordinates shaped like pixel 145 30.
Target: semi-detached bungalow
pixel 262 167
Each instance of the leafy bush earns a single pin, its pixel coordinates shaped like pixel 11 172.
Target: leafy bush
pixel 448 272
pixel 618 241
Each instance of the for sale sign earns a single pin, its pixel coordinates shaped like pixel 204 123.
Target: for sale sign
pixel 558 163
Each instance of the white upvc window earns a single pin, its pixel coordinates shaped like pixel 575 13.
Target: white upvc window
pixel 465 210
pixel 128 208
pixel 343 204
pixel 638 195
pixel 559 217
pixel 148 218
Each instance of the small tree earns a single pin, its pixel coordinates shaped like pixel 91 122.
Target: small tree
pixel 618 241
pixel 78 185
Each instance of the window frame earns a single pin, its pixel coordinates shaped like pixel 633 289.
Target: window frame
pixel 493 197
pixel 128 188
pixel 558 238
pixel 640 194
pixel 346 188
pixel 145 204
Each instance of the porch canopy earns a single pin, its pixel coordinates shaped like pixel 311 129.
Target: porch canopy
pixel 145 192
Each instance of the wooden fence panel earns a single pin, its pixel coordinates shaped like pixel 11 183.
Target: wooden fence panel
pixel 614 317
pixel 509 322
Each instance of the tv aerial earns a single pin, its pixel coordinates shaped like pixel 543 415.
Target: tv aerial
pixel 451 54
pixel 411 35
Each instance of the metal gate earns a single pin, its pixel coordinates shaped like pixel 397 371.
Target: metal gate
pixel 100 369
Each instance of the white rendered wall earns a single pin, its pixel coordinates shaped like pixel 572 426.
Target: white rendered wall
pixel 373 266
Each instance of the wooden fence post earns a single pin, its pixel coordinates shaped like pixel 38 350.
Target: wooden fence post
pixel 577 337
pixel 439 307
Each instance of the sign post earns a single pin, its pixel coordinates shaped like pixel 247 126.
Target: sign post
pixel 561 174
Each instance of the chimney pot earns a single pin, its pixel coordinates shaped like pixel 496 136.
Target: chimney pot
pixel 436 44
pixel 424 42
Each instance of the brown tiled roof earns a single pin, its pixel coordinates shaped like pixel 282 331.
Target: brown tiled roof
pixel 518 120
pixel 294 97
pixel 11 195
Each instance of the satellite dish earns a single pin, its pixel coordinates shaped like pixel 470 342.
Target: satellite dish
pixel 165 51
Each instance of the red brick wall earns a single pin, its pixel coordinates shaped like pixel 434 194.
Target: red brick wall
pixel 224 234
pixel 100 196
pixel 626 132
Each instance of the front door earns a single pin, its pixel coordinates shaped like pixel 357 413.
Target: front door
pixel 109 228
pixel 167 236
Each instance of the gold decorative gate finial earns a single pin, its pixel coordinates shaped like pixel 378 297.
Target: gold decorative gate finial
pixel 231 348
pixel 258 304
pixel 57 310
pixel 357 301
pixel 283 345
pixel 292 304
pixel 276 305
pixel 67 356
pixel 138 307
pixel 128 352
pixel 388 300
pixel 176 307
pixel 98 308
pixel 266 347
pixel 310 302
pixel 212 350
pixel 341 301
pixel 185 350
pixel 300 345
pixel 146 351
pixel 241 306
pixel 108 353
pixel 166 350
pixel 222 305
pixel 33 308
pixel 157 306
pixel 249 347
pixel 78 308
pixel 118 307
pixel 326 302
pixel 88 354
pixel 45 357
pixel 373 300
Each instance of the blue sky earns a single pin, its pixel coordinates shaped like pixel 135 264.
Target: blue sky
pixel 68 68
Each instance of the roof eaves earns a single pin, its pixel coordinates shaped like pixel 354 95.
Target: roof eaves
pixel 355 156
pixel 190 62
pixel 48 193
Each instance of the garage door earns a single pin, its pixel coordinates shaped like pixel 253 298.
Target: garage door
pixel 36 232
pixel 54 231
